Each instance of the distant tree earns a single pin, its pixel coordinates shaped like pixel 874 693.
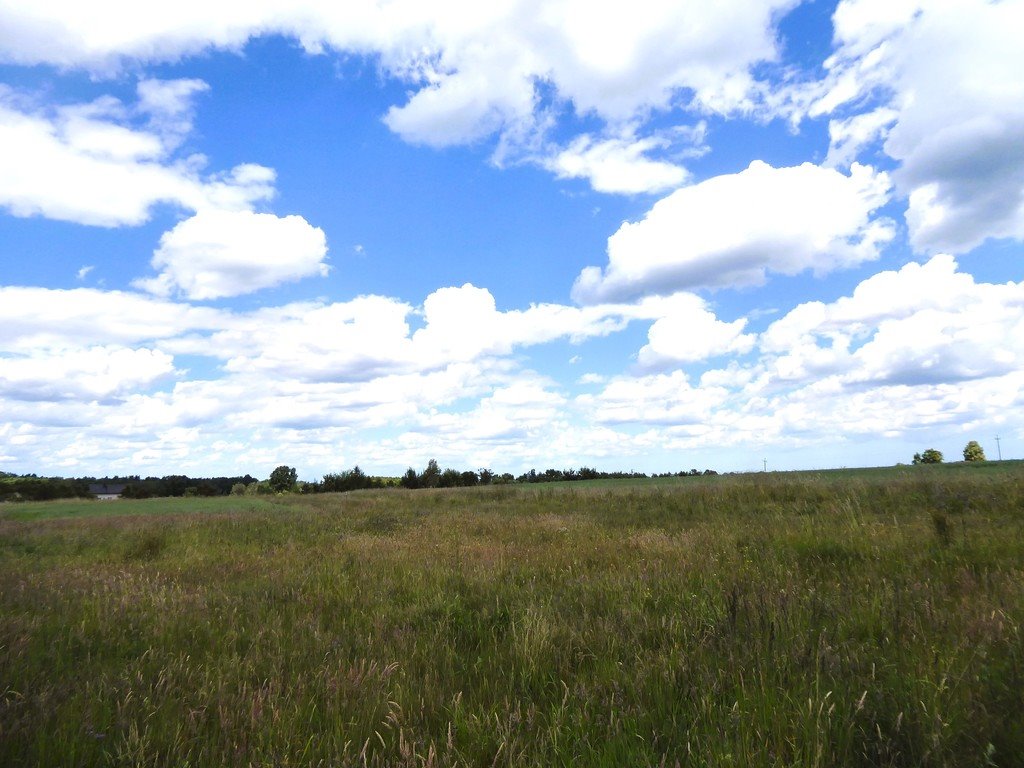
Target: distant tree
pixel 528 477
pixel 431 476
pixel 410 479
pixel 283 479
pixel 238 489
pixel 485 475
pixel 974 452
pixel 136 491
pixel 929 456
pixel 337 482
pixel 450 478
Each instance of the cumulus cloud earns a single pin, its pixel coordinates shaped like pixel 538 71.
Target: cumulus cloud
pixel 688 332
pixel 732 230
pixel 371 336
pixel 617 165
pixel 219 253
pixel 850 136
pixel 957 118
pixel 925 347
pixel 304 366
pixel 512 414
pixel 87 163
pixel 924 324
pixel 91 164
pixel 82 374
pixel 474 69
pixel 36 318
pixel 657 399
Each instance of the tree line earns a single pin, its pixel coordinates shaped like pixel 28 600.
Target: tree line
pixel 432 476
pixel 32 487
pixel 284 479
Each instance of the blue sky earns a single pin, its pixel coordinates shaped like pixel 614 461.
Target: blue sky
pixel 651 236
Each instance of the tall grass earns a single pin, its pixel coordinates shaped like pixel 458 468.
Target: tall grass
pixel 771 620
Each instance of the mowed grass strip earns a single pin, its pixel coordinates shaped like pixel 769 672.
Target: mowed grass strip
pixel 830 619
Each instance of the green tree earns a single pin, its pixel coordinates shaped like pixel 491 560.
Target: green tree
pixel 283 479
pixel 974 452
pixel 929 456
pixel 410 479
pixel 431 476
pixel 450 478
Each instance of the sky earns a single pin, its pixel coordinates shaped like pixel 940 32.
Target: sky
pixel 650 236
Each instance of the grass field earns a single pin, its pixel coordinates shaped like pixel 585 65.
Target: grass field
pixel 862 618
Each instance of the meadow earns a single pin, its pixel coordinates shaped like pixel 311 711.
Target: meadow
pixel 861 618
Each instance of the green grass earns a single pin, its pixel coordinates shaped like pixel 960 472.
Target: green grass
pixel 79 508
pixel 862 618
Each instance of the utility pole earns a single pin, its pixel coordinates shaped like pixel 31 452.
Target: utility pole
pixel 999 448
pixel 765 465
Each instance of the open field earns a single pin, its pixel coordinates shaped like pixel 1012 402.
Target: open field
pixel 862 618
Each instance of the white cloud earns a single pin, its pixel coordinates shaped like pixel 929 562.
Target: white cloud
pixel 924 324
pixel 370 336
pixel 849 137
pixel 617 165
pixel 38 318
pixel 302 375
pixel 460 108
pixel 357 340
pixel 950 75
pixel 475 68
pixel 219 253
pixel 688 333
pixel 924 349
pixel 87 164
pixel 512 414
pixel 169 105
pixel 660 399
pixel 82 374
pixel 732 230
pixel 492 71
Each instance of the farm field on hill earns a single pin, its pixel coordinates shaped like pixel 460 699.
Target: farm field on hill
pixel 861 618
